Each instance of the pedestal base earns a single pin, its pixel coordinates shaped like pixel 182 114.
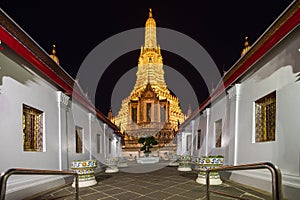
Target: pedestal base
pixel 185 165
pixel 111 170
pixel 147 160
pixel 212 180
pixel 174 164
pixel 208 163
pixel 85 183
pixel 184 169
pixel 122 165
pixel 122 162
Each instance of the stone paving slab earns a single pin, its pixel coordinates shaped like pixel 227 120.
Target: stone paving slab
pixel 165 183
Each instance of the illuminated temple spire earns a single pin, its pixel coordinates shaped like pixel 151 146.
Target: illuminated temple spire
pixel 150 32
pixel 150 109
pixel 150 65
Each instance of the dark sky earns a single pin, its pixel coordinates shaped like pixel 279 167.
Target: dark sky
pixel 76 28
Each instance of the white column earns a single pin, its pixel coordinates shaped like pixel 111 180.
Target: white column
pixel 178 145
pixel 116 148
pixel 62 103
pixel 207 114
pixel 104 139
pixel 91 119
pixel 119 146
pixel 234 95
pixel 192 140
pixel 183 142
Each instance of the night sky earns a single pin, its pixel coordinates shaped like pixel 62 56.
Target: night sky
pixel 77 28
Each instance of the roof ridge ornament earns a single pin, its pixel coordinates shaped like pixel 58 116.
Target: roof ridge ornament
pixel 247 46
pixel 53 49
pixel 53 55
pixel 246 42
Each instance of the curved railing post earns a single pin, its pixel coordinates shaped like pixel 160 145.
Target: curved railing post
pixel 3 182
pixel 76 187
pixel 5 175
pixel 207 185
pixel 275 172
pixel 276 181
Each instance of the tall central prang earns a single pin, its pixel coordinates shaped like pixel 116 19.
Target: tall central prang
pixel 151 109
pixel 150 65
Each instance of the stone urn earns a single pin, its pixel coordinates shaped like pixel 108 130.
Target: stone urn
pixel 86 172
pixel 185 163
pixel 173 160
pixel 206 163
pixel 122 162
pixel 112 165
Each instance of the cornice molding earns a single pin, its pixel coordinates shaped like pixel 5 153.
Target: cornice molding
pixel 62 98
pixel 233 93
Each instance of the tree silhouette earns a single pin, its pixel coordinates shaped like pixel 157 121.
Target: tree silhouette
pixel 147 143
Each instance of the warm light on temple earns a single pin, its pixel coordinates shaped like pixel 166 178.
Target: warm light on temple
pixel 150 109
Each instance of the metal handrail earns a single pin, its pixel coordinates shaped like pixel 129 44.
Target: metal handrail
pixel 20 171
pixel 275 171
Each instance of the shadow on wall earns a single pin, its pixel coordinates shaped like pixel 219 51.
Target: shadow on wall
pixel 298 77
pixel 11 65
pixel 225 175
pixel 287 55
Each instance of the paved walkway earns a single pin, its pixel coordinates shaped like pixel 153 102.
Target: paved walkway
pixel 164 183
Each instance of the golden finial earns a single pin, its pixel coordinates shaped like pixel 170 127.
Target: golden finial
pixel 246 41
pixel 247 46
pixel 53 56
pixel 53 49
pixel 150 13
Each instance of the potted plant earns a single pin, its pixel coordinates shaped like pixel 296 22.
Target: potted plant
pixel 147 144
pixel 206 162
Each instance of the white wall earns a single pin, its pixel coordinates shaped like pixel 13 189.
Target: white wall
pixel 92 126
pixel 20 85
pixel 218 111
pixel 97 128
pixel 278 71
pixel 79 117
pixel 179 143
pixel 38 94
pixel 203 126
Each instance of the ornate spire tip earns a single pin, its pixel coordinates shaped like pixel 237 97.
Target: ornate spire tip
pixel 150 13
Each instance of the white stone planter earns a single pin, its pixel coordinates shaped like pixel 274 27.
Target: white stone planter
pixel 206 163
pixel 147 160
pixel 122 162
pixel 174 161
pixel 112 165
pixel 185 163
pixel 86 172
